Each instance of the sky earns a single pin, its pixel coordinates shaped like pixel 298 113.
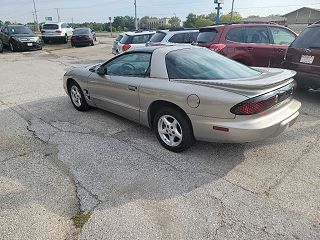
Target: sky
pixel 101 10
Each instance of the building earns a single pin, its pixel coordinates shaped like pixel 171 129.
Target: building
pixel 270 19
pixel 155 23
pixel 303 15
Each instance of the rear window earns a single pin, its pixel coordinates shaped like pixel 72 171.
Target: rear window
pixel 119 38
pixel 158 37
pixel 125 39
pixel 81 31
pixel 309 38
pixel 207 36
pixel 203 64
pixel 50 26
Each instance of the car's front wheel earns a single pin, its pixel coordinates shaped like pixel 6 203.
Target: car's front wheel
pixel 12 48
pixel 173 129
pixel 65 40
pixel 77 97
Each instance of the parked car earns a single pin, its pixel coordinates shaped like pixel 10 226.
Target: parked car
pixel 134 40
pixel 174 36
pixel 260 45
pixel 116 43
pixel 83 37
pixel 303 56
pixel 56 31
pixel 187 93
pixel 19 37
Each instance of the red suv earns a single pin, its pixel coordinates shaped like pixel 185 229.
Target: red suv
pixel 303 56
pixel 259 45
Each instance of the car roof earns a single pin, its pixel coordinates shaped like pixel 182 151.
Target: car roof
pixel 164 49
pixel 139 33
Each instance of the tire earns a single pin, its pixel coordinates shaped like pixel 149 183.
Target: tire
pixel 1 46
pixel 12 49
pixel 65 39
pixel 77 97
pixel 92 44
pixel 173 129
pixel 45 40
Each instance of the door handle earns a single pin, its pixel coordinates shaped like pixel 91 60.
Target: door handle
pixel 132 88
pixel 250 49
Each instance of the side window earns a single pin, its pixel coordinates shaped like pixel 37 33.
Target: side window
pixel 257 35
pixel 67 25
pixel 178 38
pixel 63 25
pixel 131 64
pixel 140 39
pixel 236 35
pixel 193 37
pixel 282 36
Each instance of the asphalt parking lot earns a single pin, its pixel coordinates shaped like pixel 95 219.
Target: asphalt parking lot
pixel 57 162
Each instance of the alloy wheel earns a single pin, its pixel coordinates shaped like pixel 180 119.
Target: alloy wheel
pixel 76 96
pixel 169 130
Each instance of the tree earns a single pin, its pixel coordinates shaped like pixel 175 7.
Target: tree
pixel 175 22
pixel 121 22
pixel 227 17
pixel 191 21
pixel 203 22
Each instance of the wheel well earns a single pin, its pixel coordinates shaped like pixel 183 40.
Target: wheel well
pixel 157 105
pixel 69 81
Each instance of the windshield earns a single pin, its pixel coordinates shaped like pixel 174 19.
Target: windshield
pixel 204 64
pixel 19 30
pixel 50 26
pixel 82 31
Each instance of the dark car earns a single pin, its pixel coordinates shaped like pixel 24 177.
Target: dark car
pixel 303 56
pixel 83 37
pixel 259 45
pixel 19 37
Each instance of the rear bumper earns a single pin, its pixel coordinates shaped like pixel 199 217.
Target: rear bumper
pixel 246 128
pixel 302 77
pixel 82 42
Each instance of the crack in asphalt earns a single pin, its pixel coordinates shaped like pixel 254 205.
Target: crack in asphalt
pixel 306 151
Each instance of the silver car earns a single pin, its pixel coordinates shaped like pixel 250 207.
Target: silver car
pixel 188 93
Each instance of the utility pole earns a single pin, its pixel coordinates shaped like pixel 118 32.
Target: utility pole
pixel 110 25
pixel 58 14
pixel 232 11
pixel 218 8
pixel 35 12
pixel 135 15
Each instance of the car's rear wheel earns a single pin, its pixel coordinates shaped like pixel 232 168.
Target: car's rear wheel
pixel 1 46
pixel 173 129
pixel 77 97
pixel 65 40
pixel 92 44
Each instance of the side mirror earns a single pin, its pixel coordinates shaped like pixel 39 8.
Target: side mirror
pixel 102 70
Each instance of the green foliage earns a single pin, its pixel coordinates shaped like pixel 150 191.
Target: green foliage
pixel 97 27
pixel 175 22
pixel 196 21
pixel 227 18
pixel 121 22
pixel 203 22
pixel 191 21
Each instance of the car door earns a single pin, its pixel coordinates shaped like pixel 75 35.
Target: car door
pixel 281 38
pixel 258 45
pixel 118 90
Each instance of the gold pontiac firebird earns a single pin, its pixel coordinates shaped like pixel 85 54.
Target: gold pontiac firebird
pixel 187 93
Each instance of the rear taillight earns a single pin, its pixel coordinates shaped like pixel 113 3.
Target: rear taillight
pixel 58 31
pixel 262 103
pixel 73 38
pixel 217 47
pixel 87 37
pixel 126 47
